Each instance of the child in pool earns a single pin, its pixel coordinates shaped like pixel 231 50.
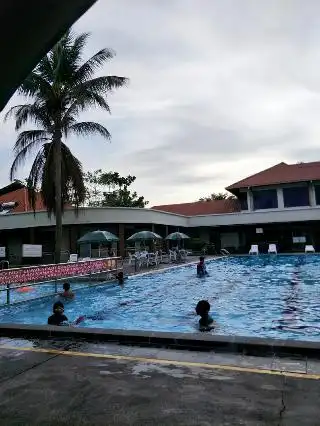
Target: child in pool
pixel 67 292
pixel 201 268
pixel 58 317
pixel 206 322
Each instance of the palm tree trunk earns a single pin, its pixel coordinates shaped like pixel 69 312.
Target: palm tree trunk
pixel 58 202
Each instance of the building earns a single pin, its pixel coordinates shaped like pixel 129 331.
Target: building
pixel 279 205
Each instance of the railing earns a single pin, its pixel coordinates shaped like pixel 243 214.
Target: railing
pixel 93 273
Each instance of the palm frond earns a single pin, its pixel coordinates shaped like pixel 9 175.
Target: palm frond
pixel 102 84
pixel 30 112
pixel 35 176
pixel 71 180
pixel 21 154
pixel 86 128
pixel 87 99
pixel 30 137
pixel 35 85
pixel 87 70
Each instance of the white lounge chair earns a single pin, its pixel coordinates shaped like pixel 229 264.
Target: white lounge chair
pixel 309 249
pixel 272 249
pixel 73 257
pixel 254 249
pixel 225 252
pixel 172 255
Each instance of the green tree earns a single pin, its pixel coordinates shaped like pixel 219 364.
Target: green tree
pixel 109 189
pixel 60 88
pixel 218 196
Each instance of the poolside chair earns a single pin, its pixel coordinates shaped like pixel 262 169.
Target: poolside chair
pixel 73 257
pixel 272 249
pixel 172 255
pixel 225 252
pixel 254 249
pixel 309 249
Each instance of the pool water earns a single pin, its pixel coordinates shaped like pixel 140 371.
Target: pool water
pixel 263 296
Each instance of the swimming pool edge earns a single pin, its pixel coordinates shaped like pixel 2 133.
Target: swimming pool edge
pixel 249 346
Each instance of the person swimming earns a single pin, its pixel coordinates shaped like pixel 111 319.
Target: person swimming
pixel 120 278
pixel 67 292
pixel 58 317
pixel 201 267
pixel 206 322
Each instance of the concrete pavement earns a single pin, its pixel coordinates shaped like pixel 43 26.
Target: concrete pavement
pixel 64 382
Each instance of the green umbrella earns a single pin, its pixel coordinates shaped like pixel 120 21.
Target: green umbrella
pixel 99 237
pixel 144 235
pixel 177 236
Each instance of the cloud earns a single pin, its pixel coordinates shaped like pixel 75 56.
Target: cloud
pixel 218 91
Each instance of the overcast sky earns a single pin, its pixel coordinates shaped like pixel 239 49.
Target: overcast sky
pixel 219 89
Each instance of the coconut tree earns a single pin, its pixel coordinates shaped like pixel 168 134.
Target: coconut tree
pixel 61 87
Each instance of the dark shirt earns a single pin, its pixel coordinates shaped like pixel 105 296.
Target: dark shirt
pixel 57 319
pixel 205 321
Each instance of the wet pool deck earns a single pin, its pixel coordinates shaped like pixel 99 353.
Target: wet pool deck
pixel 66 382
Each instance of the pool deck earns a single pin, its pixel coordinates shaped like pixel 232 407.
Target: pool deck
pixel 78 383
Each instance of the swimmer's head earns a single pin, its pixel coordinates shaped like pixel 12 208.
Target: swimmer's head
pixel 203 307
pixel 66 286
pixel 201 259
pixel 58 308
pixel 120 274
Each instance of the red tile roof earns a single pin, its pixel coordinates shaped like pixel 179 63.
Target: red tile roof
pixel 201 207
pixel 281 173
pixel 21 197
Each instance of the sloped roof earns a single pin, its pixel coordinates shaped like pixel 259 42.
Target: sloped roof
pixel 201 207
pixel 20 196
pixel 281 173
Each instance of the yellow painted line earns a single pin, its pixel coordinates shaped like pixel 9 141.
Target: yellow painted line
pixel 222 367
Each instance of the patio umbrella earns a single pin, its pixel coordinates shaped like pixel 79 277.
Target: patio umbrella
pixel 98 237
pixel 177 236
pixel 144 235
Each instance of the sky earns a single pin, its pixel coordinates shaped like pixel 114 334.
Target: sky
pixel 218 90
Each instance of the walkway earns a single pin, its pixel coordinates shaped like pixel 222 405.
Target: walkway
pixel 78 384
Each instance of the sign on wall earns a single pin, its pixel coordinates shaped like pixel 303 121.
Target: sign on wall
pixel 31 250
pixel 259 230
pixel 2 252
pixel 297 240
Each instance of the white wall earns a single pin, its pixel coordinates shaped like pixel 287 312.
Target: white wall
pixel 93 215
pixel 148 216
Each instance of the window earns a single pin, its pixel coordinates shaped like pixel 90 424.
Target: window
pixel 317 192
pixel 265 199
pixel 242 197
pixel 296 196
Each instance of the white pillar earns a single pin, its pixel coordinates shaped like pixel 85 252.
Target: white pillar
pixel 312 195
pixel 280 198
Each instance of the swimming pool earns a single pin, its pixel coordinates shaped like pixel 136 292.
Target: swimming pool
pixel 263 296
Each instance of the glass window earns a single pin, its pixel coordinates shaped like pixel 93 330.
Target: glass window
pixel 242 197
pixel 265 199
pixel 317 192
pixel 296 196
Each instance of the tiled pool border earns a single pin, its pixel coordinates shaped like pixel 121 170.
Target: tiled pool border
pixel 190 341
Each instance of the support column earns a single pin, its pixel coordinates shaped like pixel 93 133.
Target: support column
pixel 249 200
pixel 280 198
pixel 167 241
pixel 152 227
pixel 73 239
pixel 121 240
pixel 312 195
pixel 32 236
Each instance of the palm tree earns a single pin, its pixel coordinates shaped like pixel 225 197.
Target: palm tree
pixel 60 88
